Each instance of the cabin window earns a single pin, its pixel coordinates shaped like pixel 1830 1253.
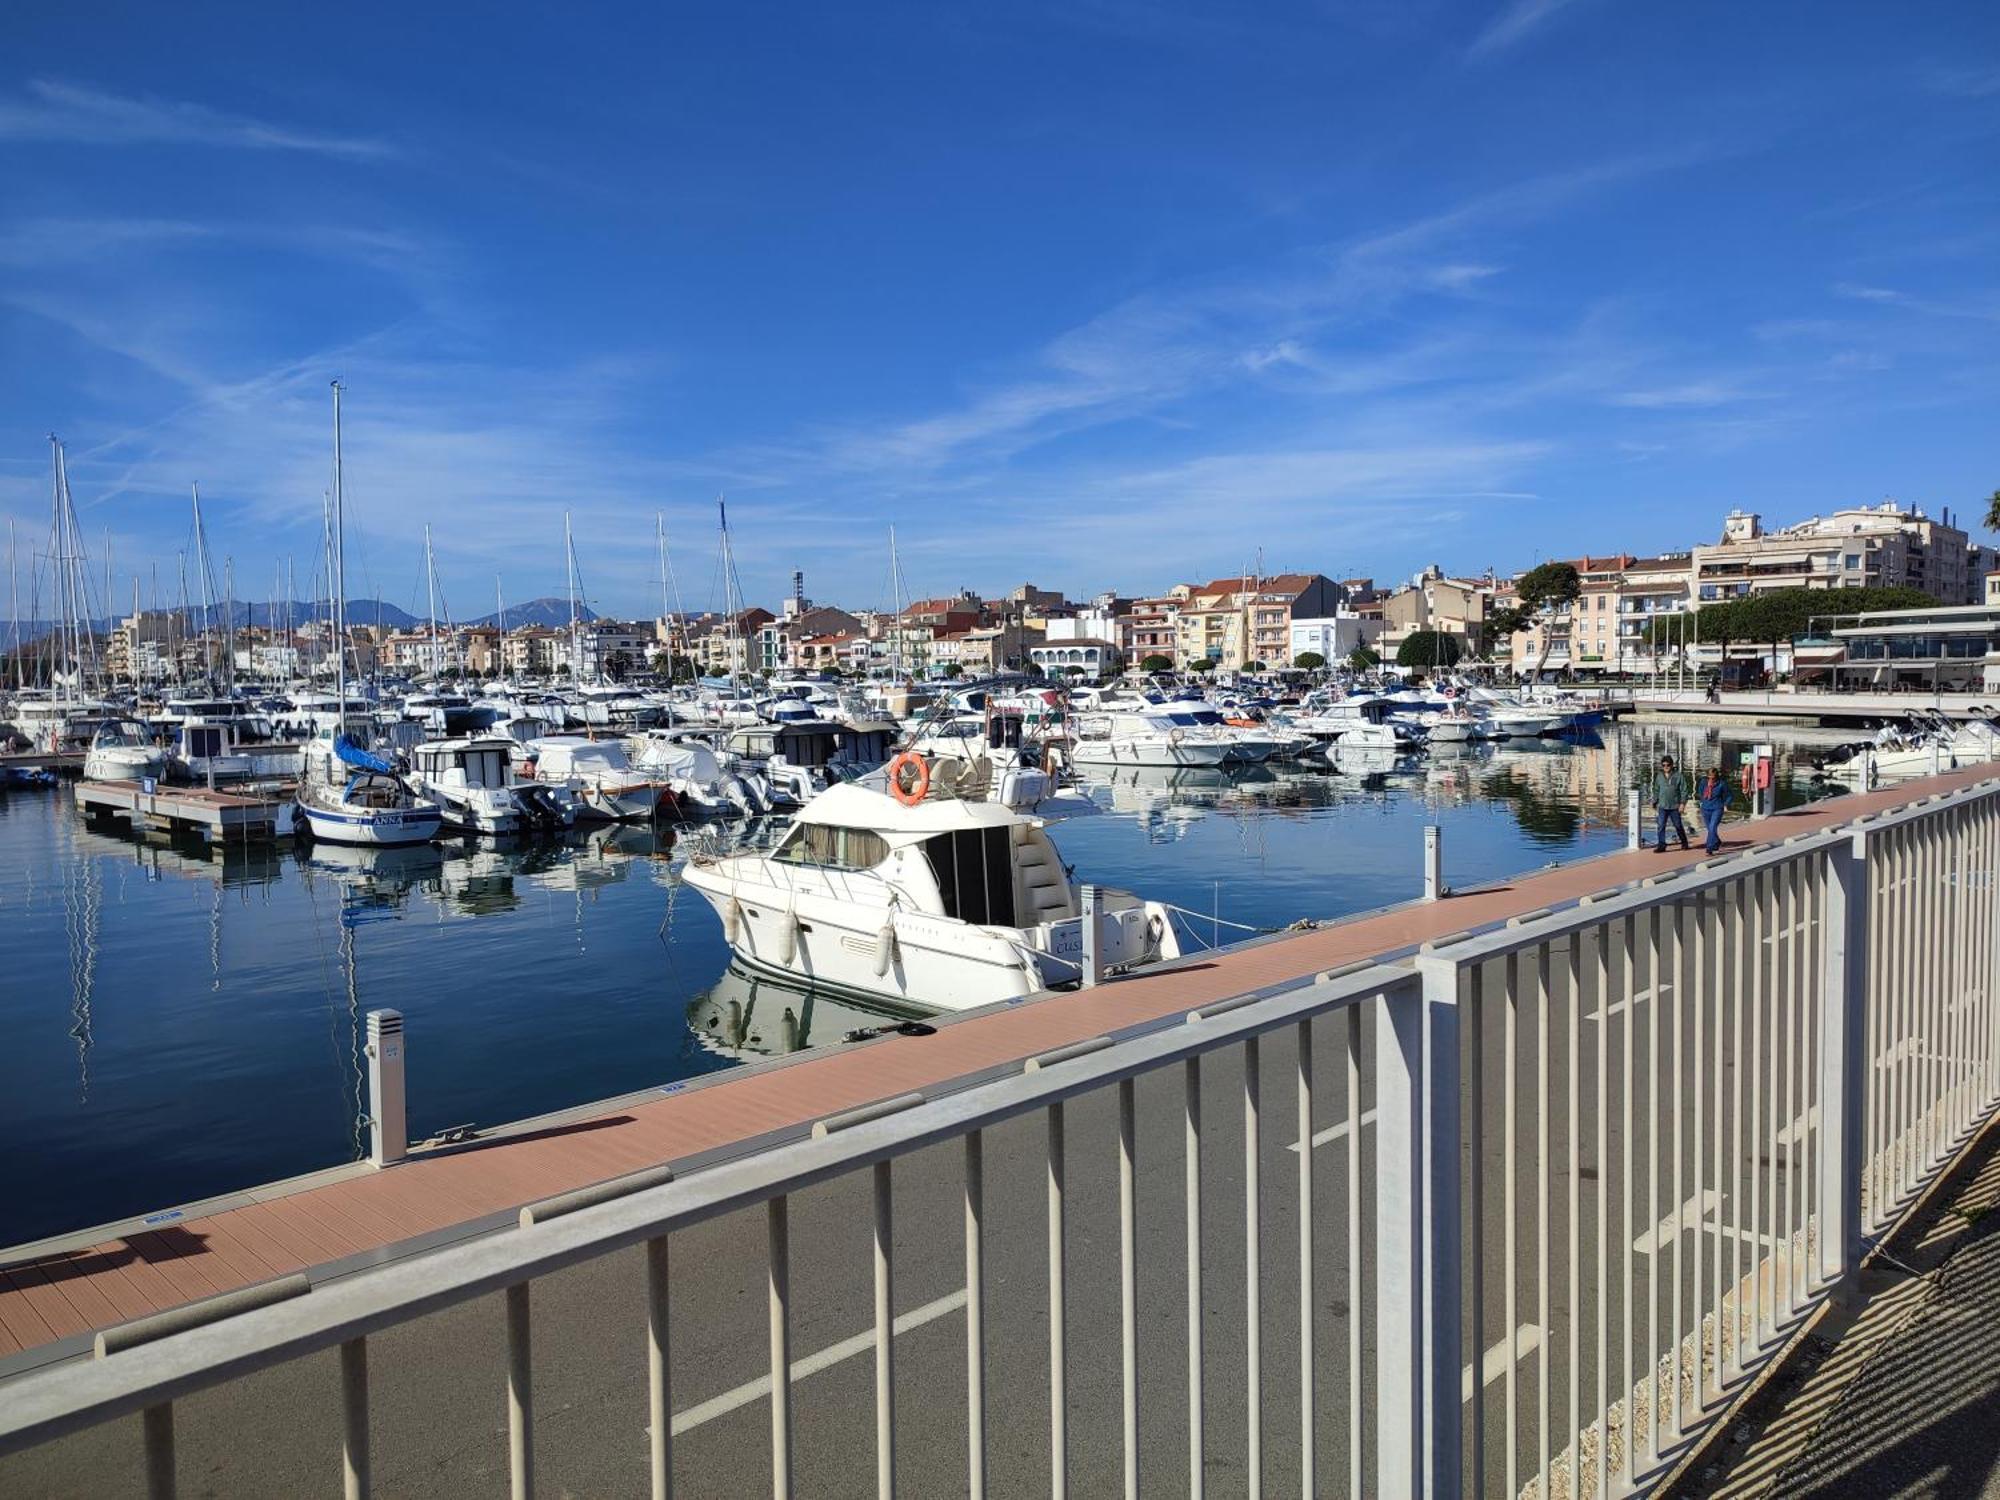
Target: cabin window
pixel 975 874
pixel 834 848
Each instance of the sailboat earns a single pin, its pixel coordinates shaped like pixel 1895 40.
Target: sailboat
pixel 347 793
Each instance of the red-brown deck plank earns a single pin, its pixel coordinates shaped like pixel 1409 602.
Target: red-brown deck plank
pixel 194 1259
pixel 23 1324
pixel 83 1298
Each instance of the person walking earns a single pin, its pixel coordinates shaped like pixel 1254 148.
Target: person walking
pixel 1670 793
pixel 1712 795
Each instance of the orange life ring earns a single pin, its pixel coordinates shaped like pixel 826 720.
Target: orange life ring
pixel 919 784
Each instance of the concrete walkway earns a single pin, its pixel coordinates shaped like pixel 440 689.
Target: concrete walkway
pixel 1897 1391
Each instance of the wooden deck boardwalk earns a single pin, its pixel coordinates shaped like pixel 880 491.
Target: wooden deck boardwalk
pixel 237 816
pixel 351 1217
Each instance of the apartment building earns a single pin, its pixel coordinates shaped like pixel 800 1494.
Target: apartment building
pixel 1233 621
pixel 1434 601
pixel 1880 546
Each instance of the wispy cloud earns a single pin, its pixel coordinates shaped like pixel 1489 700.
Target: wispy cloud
pixel 1692 394
pixel 64 242
pixel 1513 24
pixel 1983 308
pixel 49 110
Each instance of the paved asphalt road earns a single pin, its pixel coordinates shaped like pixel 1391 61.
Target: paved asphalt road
pixel 438 1394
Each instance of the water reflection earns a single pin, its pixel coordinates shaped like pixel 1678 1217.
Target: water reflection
pixel 744 1015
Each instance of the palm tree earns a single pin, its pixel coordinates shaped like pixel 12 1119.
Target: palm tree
pixel 1993 511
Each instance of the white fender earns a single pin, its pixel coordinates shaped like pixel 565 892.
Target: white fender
pixel 732 920
pixel 788 939
pixel 885 948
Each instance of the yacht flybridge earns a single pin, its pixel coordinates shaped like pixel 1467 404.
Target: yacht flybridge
pixel 919 899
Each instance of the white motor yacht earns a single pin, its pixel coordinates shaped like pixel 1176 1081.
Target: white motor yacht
pixel 122 750
pixel 599 775
pixel 704 780
pixel 469 782
pixel 1147 739
pixel 934 903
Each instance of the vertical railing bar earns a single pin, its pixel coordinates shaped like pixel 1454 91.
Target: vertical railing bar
pixel 1253 1271
pixel 1738 1102
pixel 1797 1113
pixel 1356 1424
pixel 157 1424
pixel 1544 1411
pixel 1890 999
pixel 1698 991
pixel 1601 942
pixel 1725 900
pixel 1476 1223
pixel 1191 1107
pixel 1752 1064
pixel 1683 984
pixel 1308 1403
pixel 1881 951
pixel 975 1314
pixel 1629 939
pixel 1128 1271
pixel 356 1478
pixel 1058 1347
pixel 1908 933
pixel 520 1394
pixel 1573 1128
pixel 1656 974
pixel 659 1374
pixel 778 1246
pixel 1925 995
pixel 1510 1269
pixel 885 1333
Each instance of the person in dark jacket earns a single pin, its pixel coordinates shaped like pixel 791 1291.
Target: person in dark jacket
pixel 1670 793
pixel 1713 796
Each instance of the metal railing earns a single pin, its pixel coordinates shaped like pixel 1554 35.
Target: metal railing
pixel 1592 1170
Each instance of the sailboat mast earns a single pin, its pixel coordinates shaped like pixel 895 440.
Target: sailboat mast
pixel 500 609
pixel 229 626
pixel 339 574
pixel 14 608
pixel 575 640
pixel 431 589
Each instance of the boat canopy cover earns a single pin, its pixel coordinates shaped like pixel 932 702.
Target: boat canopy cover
pixel 354 755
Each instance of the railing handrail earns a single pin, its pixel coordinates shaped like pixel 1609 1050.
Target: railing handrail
pixel 66 1398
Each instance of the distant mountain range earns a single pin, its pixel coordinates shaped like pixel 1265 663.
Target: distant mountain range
pixel 546 611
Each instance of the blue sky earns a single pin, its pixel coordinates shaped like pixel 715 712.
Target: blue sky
pixel 1098 293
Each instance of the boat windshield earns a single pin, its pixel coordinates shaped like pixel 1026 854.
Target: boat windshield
pixel 825 845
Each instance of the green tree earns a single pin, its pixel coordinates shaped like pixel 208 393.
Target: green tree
pixel 1364 658
pixel 1157 663
pixel 1202 664
pixel 1543 592
pixel 1993 511
pixel 1309 661
pixel 1253 666
pixel 1436 649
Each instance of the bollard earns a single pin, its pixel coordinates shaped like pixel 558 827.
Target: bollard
pixel 388 1129
pixel 1093 957
pixel 1433 861
pixel 1634 837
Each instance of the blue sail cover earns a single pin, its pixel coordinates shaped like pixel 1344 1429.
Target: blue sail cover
pixel 354 755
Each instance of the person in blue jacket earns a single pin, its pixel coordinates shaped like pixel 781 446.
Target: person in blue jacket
pixel 1713 796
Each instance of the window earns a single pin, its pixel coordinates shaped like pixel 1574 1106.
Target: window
pixel 831 847
pixel 975 874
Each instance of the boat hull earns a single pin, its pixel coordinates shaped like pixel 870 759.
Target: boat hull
pixel 372 829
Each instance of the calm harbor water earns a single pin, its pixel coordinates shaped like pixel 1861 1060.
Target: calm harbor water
pixel 180 1023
